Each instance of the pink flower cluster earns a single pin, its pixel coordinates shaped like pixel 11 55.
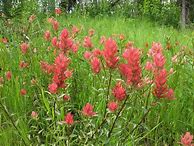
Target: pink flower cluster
pixel 119 92
pixel 55 23
pixel 32 18
pixel 69 119
pixel 58 11
pixel 86 111
pixel 65 42
pixel 46 67
pixel 110 53
pixel 112 106
pixel 132 70
pixel 93 57
pixel 24 47
pixel 59 71
pixel 161 89
pixel 186 140
pixel 87 42
pixel 23 64
pixel 47 35
pixel 95 64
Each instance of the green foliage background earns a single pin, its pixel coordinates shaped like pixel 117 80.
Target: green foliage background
pixel 155 10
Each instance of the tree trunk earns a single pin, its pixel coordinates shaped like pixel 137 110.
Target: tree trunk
pixel 183 16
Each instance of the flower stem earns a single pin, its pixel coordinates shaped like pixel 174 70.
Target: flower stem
pixel 118 114
pixel 96 130
pixel 142 119
pixel 107 95
pixel 105 112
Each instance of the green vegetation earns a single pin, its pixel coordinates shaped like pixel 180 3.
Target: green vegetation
pixel 162 125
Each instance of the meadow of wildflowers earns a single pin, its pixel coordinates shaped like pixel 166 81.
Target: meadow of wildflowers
pixel 106 81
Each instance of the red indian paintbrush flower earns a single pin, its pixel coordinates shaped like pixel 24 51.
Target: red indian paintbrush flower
pixel 87 55
pixel 23 64
pixel 8 75
pixel 55 24
pixel 61 61
pixel 64 35
pixel 24 47
pixel 65 42
pixel 119 91
pixel 161 89
pixel 132 55
pixel 91 32
pixel 66 97
pixel 149 66
pixel 132 70
pixel 129 44
pixel 68 73
pixel 112 106
pixel 32 18
pixel 58 11
pixel 47 35
pixel 69 119
pixel 47 68
pixel 59 70
pixel 34 115
pixel 102 40
pixel 156 48
pixel 126 71
pixel 75 30
pixel 5 40
pixel 53 88
pixel 160 79
pixel 186 140
pixel 61 64
pixel 110 53
pixel 74 48
pixel 69 43
pixel 170 94
pixel 121 37
pixel 50 20
pixel 55 42
pixel 87 42
pixel 23 92
pixel 95 64
pixel 88 110
pixel 97 52
pixel 159 60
